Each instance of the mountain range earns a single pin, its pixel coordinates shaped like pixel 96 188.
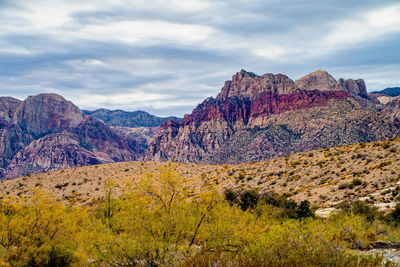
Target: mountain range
pixel 253 118
pixel 259 117
pixel 128 119
pixel 46 132
pixel 391 91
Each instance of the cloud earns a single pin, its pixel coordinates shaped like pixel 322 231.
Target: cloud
pixel 364 27
pixel 165 56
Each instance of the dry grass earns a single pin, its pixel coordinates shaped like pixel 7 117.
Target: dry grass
pixel 369 172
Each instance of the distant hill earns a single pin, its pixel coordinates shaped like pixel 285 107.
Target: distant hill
pixel 391 91
pixel 128 119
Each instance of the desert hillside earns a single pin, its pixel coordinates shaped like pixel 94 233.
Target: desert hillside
pixel 366 171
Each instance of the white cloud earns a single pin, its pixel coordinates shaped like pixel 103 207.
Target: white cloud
pixel 362 28
pixel 333 36
pixel 132 31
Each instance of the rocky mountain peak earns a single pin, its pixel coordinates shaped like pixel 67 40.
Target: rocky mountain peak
pixel 8 105
pixel 244 73
pixel 354 87
pixel 46 113
pixel 391 111
pixel 321 80
pixel 318 80
pixel 246 84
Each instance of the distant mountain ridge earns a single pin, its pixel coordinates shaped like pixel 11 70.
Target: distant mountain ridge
pixel 128 118
pixel 391 91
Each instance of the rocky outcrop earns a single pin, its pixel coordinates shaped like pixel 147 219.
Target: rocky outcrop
pixel 391 111
pixel 354 87
pixel 47 113
pixel 128 119
pixel 322 81
pixel 137 138
pixel 53 152
pixel 10 134
pixel 250 85
pixel 95 136
pixel 318 80
pixel 8 105
pixel 91 142
pixel 258 117
pixel 10 141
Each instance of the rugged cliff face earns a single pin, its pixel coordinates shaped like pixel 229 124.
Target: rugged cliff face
pixel 10 134
pixel 47 132
pixel 258 117
pixel 47 113
pixel 391 111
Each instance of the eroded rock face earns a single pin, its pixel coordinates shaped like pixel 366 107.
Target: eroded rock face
pixel 8 105
pixel 137 138
pixel 53 152
pixel 47 113
pixel 258 117
pixel 10 134
pixel 391 111
pixel 248 84
pixel 318 80
pixel 95 136
pixel 10 141
pixel 322 81
pixel 354 87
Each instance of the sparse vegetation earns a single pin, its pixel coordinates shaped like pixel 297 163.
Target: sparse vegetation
pixel 251 227
pixel 154 223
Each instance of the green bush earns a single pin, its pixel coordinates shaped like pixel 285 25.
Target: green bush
pixel 360 208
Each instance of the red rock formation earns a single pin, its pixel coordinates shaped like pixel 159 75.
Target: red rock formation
pixel 257 117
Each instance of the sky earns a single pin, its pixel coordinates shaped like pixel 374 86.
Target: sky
pixel 166 56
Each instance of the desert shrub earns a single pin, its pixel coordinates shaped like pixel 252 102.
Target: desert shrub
pixel 231 196
pixel 360 208
pixel 249 199
pixel 357 182
pixel 343 186
pixel 394 215
pixel 44 233
pixel 246 199
pixel 240 176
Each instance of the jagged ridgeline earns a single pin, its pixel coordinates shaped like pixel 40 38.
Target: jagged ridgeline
pixel 253 118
